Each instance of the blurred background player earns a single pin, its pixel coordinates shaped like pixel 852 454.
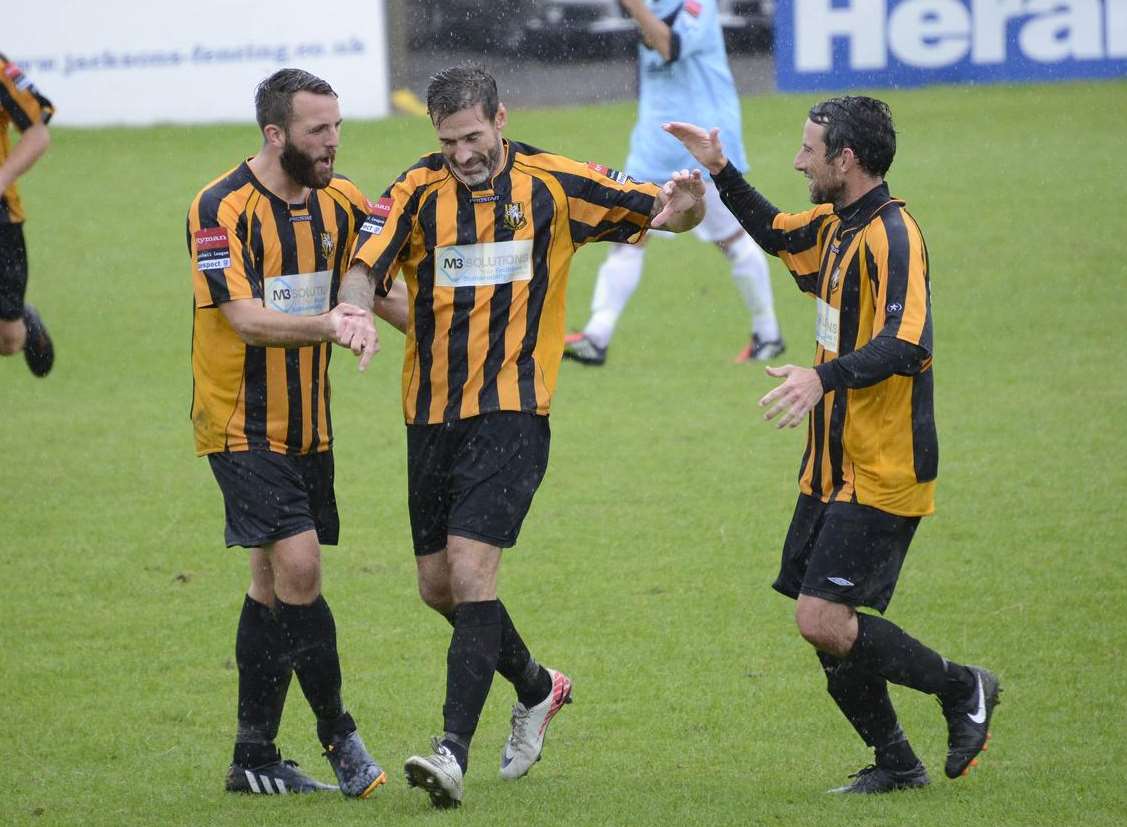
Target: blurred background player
pixel 683 74
pixel 23 106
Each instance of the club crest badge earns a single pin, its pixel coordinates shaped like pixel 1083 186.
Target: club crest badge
pixel 514 216
pixel 835 277
pixel 327 245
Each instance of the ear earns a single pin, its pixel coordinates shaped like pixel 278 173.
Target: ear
pixel 502 117
pixel 847 159
pixel 274 135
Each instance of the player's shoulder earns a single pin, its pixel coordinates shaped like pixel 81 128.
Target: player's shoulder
pixel 233 185
pixel 346 187
pixel 533 157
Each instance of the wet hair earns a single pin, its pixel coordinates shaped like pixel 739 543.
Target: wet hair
pixel 461 87
pixel 273 99
pixel 862 124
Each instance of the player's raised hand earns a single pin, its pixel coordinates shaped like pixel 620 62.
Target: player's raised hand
pixel 681 202
pixel 354 329
pixel 703 144
pixel 798 394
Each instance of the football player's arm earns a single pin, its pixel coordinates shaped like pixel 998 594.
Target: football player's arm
pixel 346 325
pixel 392 308
pixel 33 142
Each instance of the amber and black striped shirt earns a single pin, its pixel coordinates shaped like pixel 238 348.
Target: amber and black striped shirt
pixel 867 270
pixel 21 105
pixel 247 243
pixel 486 273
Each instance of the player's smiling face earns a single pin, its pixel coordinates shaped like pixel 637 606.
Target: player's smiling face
pixel 826 180
pixel 471 144
pixel 312 138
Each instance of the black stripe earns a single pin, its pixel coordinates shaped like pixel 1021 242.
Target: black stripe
pixel 807 283
pixel 424 305
pixel 802 239
pixel 287 239
pixel 836 447
pixel 294 398
pixel 850 310
pixel 346 230
pixel 315 413
pixel 16 112
pixel 925 441
pixel 457 351
pixel 254 385
pixel 603 231
pixel 874 274
pixel 254 254
pixel 818 416
pixel 327 349
pixel 849 316
pixel 320 262
pixel 489 398
pixel 543 213
pixel 593 192
pixel 899 267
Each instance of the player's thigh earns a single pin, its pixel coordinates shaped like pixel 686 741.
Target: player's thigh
pixel 13 272
pixel 268 497
pixel 802 533
pixel 496 475
pixel 431 450
pixel 857 555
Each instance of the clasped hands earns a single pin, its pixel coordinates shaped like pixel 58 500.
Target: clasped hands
pixel 354 328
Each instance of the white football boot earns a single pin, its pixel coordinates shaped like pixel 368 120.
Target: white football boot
pixel 526 741
pixel 439 774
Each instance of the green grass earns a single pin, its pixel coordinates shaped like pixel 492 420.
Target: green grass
pixel 644 566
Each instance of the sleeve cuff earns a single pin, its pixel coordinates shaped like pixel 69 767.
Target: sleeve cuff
pixel 827 372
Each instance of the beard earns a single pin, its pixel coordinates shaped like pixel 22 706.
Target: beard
pixel 826 192
pixel 302 167
pixel 488 161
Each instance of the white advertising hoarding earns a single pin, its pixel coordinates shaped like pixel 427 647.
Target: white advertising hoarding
pixel 136 62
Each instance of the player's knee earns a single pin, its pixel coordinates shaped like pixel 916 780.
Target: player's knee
pixel 436 596
pixel 11 337
pixel 814 625
pixel 301 582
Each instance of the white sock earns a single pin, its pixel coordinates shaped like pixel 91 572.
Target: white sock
pixel 753 279
pixel 618 278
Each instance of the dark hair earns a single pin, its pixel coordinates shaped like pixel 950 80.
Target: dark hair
pixel 461 87
pixel 273 99
pixel 862 124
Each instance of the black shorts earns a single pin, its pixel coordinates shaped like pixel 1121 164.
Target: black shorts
pixel 474 477
pixel 13 271
pixel 844 552
pixel 269 497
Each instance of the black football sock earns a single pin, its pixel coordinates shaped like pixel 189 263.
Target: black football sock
pixel 470 663
pixel 886 649
pixel 516 665
pixel 863 699
pixel 311 635
pixel 264 677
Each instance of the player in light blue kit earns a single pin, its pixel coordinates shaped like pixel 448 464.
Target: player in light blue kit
pixel 683 75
